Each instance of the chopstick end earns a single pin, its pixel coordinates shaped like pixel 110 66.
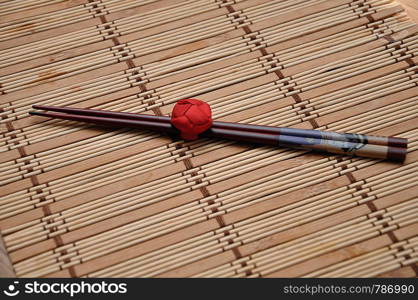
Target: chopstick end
pixel 35 113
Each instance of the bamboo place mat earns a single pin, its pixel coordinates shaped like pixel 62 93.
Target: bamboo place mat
pixel 82 201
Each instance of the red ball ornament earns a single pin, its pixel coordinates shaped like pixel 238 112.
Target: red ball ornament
pixel 191 117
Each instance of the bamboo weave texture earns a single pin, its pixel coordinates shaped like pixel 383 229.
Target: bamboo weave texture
pixel 83 201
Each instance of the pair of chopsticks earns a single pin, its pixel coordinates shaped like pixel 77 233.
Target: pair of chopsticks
pixel 392 148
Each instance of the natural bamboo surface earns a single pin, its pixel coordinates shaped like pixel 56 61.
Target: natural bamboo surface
pixel 6 268
pixel 83 201
pixel 411 8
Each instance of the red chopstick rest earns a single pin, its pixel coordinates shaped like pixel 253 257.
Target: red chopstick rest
pixel 191 117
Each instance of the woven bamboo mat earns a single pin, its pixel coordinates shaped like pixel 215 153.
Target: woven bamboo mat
pixel 82 201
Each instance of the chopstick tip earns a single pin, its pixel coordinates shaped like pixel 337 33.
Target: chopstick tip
pixel 35 113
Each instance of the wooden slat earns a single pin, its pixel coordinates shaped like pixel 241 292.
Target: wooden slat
pixel 84 201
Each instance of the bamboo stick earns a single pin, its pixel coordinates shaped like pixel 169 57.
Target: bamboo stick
pixel 223 163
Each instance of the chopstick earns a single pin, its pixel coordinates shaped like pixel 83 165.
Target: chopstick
pixel 108 121
pixel 313 140
pixel 307 133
